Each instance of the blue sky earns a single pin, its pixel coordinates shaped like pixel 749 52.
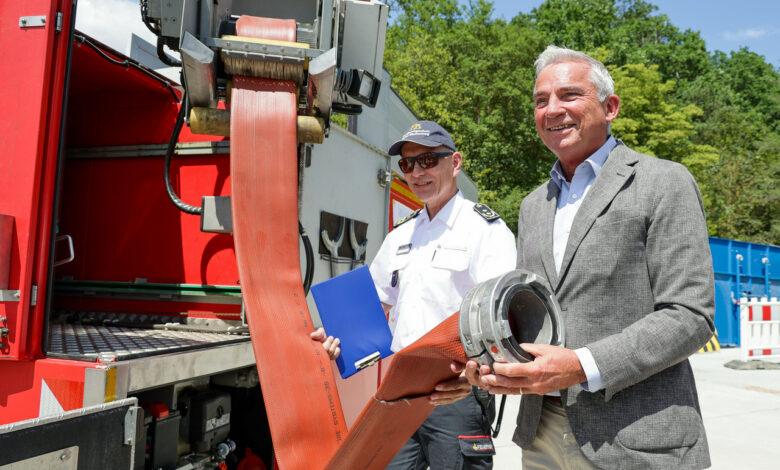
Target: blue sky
pixel 725 25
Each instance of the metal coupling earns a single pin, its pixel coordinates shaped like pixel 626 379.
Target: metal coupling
pixel 498 315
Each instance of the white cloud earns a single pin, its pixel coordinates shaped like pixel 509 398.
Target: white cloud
pixel 750 33
pixel 112 22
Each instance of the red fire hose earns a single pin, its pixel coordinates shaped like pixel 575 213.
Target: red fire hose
pixel 304 412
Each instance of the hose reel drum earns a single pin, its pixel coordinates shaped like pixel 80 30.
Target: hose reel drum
pixel 496 316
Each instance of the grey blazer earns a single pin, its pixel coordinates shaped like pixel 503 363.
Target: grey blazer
pixel 636 288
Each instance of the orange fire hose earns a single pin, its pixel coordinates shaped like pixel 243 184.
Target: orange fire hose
pixel 299 388
pixel 401 404
pixel 303 407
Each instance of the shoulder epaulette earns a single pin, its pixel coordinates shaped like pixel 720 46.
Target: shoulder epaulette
pixel 407 218
pixel 487 213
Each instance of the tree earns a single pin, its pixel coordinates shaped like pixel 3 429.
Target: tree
pixel 717 114
pixel 474 75
pixel 740 121
pixel 755 82
pixel 651 124
pixel 577 24
pixel 628 29
pixel 741 186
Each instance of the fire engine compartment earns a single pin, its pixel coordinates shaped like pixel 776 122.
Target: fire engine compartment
pixel 141 278
pixel 137 302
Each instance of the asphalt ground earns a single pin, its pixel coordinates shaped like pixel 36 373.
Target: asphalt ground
pixel 741 410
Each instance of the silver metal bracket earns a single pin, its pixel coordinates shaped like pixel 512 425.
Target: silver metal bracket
pixel 131 418
pixel 58 25
pixel 62 459
pixel 199 71
pixel 368 361
pixel 358 248
pixel 216 216
pixel 231 54
pixel 33 295
pixel 322 74
pixel 7 295
pixel 38 21
pixel 238 46
pixel 334 244
pixel 384 177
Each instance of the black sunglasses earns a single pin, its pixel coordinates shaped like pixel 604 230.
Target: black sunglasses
pixel 425 160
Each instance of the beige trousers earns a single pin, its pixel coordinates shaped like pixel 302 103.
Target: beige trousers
pixel 555 447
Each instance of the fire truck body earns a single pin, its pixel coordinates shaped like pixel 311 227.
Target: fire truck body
pixel 121 321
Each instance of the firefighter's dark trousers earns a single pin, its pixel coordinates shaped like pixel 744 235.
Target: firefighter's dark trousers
pixel 454 437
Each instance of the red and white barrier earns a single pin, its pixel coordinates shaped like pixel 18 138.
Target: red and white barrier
pixel 759 328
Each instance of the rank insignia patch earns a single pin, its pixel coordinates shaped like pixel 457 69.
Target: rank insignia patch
pixel 408 218
pixel 486 212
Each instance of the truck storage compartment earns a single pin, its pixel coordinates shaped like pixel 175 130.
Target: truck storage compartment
pixel 133 275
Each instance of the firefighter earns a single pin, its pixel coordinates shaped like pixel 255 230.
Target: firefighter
pixel 422 271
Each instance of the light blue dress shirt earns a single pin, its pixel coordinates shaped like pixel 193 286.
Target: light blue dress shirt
pixel 569 201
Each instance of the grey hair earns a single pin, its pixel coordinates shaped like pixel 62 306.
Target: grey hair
pixel 599 75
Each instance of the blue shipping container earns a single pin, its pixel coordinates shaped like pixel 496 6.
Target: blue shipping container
pixel 741 269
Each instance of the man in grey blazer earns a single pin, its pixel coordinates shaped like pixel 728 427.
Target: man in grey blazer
pixel 622 241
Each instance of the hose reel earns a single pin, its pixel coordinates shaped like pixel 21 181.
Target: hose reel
pixel 496 316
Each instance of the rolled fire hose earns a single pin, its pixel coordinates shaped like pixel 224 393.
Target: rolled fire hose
pixel 298 385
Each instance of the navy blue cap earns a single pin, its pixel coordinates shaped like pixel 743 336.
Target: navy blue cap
pixel 426 133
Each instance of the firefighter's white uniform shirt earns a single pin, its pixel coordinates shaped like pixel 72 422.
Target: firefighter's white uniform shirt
pixel 425 267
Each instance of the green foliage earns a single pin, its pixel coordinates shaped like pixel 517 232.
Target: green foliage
pixel 583 24
pixel 755 82
pixel 741 191
pixel 339 120
pixel 650 124
pixel 626 28
pixel 717 114
pixel 474 75
pixel 506 202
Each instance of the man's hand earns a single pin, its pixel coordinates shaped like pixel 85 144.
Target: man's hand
pixel 451 391
pixel 472 371
pixel 553 368
pixel 329 343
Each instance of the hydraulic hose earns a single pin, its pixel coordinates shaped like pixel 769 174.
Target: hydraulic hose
pixel 145 17
pixel 181 205
pixel 309 259
pixel 165 58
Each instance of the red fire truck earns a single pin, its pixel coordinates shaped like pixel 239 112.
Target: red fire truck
pixel 123 342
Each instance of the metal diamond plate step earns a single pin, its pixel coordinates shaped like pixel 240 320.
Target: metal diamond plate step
pixel 88 342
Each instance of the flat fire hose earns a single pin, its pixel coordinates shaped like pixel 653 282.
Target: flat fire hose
pixel 296 376
pixel 401 404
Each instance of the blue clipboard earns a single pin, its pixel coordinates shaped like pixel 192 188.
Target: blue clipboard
pixel 350 310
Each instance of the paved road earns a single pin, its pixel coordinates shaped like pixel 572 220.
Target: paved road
pixel 741 410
